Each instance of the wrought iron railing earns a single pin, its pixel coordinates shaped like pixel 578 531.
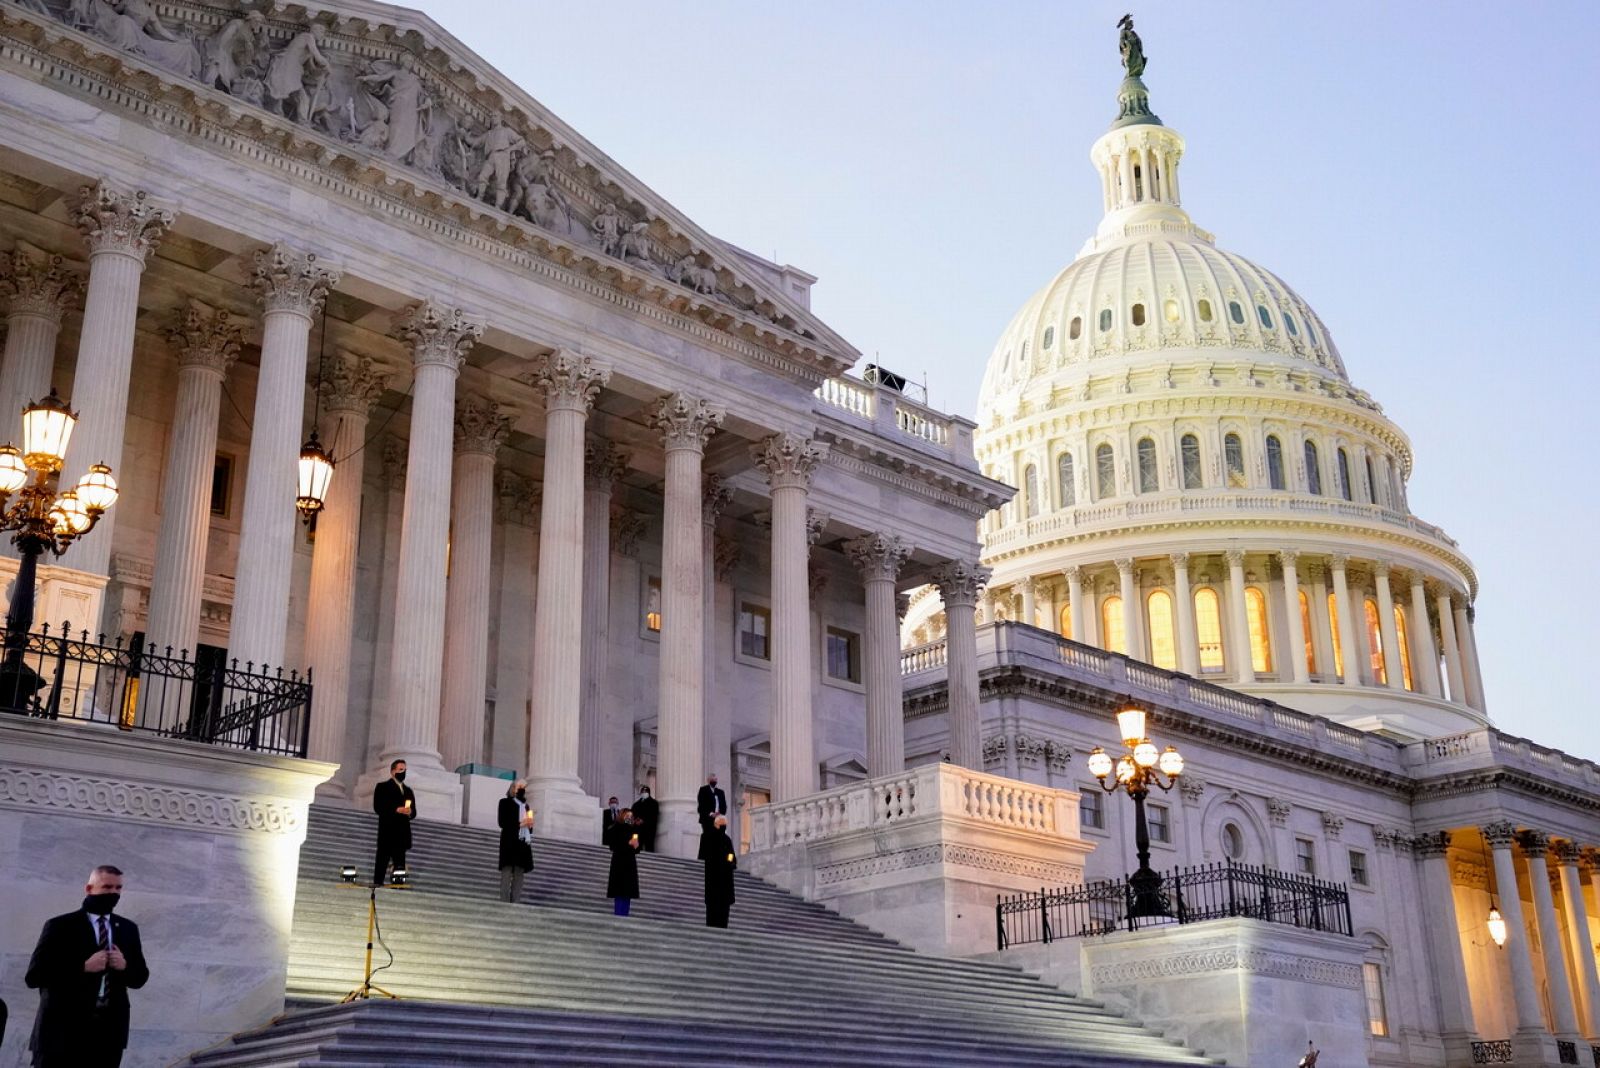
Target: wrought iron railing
pixel 1190 895
pixel 1495 1052
pixel 56 675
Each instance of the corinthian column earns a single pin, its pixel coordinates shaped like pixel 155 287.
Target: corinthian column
pixel 1439 917
pixel 121 229
pixel 718 704
pixel 570 383
pixel 603 464
pixel 351 385
pixel 788 461
pixel 1526 1012
pixel 291 286
pixel 960 583
pixel 439 338
pixel 35 289
pixel 1288 559
pixel 1132 609
pixel 1188 628
pixel 1349 651
pixel 1535 844
pixel 879 558
pixel 481 428
pixel 686 424
pixel 1424 660
pixel 1075 607
pixel 1394 670
pixel 1239 612
pixel 1567 856
pixel 207 342
pixel 1452 650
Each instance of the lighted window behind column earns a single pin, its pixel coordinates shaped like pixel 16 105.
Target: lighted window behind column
pixel 1305 628
pixel 1065 626
pixel 1260 633
pixel 1404 638
pixel 1208 629
pixel 1380 672
pixel 1333 628
pixel 1163 646
pixel 1112 634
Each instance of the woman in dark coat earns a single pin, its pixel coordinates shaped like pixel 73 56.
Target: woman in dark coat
pixel 622 883
pixel 516 840
pixel 716 850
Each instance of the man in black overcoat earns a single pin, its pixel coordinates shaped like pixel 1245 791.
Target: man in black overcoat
pixel 396 807
pixel 647 810
pixel 711 802
pixel 716 850
pixel 83 967
pixel 516 840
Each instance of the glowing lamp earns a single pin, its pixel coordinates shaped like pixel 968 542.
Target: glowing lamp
pixel 1130 721
pixel 69 515
pixel 1099 763
pixel 1172 762
pixel 13 472
pixel 1145 754
pixel 1126 770
pixel 46 430
pixel 316 470
pixel 347 873
pixel 97 489
pixel 1497 926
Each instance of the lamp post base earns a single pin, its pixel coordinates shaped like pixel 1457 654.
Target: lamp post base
pixel 19 687
pixel 1148 898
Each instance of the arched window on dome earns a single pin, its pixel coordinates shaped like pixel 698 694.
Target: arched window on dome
pixel 1138 179
pixel 1138 315
pixel 1163 645
pixel 1236 312
pixel 1255 603
pixel 1113 636
pixel 1343 472
pixel 1030 488
pixel 1064 621
pixel 1075 328
pixel 1105 320
pixel 1233 460
pixel 1288 322
pixel 1372 483
pixel 1149 471
pixel 1049 336
pixel 1310 635
pixel 1204 310
pixel 1338 642
pixel 1313 469
pixel 1403 639
pixel 1193 471
pixel 1105 472
pixel 1067 483
pixel 1380 670
pixel 1208 629
pixel 1264 315
pixel 1275 477
pixel 1171 309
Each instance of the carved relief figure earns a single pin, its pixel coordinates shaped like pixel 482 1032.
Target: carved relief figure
pixel 499 142
pixel 143 13
pixel 125 28
pixel 298 74
pixel 688 272
pixel 537 195
pixel 236 46
pixel 635 244
pixel 607 229
pixel 408 104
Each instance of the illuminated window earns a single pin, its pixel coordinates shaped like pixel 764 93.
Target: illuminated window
pixel 652 605
pixel 1275 477
pixel 1380 674
pixel 1075 329
pixel 1149 472
pixel 1305 628
pixel 1193 472
pixel 1260 637
pixel 1344 475
pixel 1233 455
pixel 1064 624
pixel 1068 484
pixel 755 631
pixel 1138 315
pixel 1105 472
pixel 1030 486
pixel 1171 311
pixel 1313 469
pixel 1403 636
pixel 1208 629
pixel 1163 646
pixel 1205 311
pixel 1112 634
pixel 1333 628
pixel 1372 982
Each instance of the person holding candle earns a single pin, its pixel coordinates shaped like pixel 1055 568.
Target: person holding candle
pixel 396 806
pixel 516 840
pixel 622 881
pixel 716 850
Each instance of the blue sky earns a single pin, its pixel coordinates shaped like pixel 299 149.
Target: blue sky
pixel 1423 174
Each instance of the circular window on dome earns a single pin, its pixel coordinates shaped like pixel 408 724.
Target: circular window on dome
pixel 1205 311
pixel 1049 336
pixel 1236 312
pixel 1170 310
pixel 1232 841
pixel 1075 328
pixel 1264 315
pixel 1105 320
pixel 1138 315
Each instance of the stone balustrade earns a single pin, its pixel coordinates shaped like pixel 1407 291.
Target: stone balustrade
pixel 923 657
pixel 895 414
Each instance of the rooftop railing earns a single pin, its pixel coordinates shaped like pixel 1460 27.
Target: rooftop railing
pixel 892 413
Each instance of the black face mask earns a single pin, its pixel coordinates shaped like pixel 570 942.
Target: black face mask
pixel 399 776
pixel 100 904
pixel 522 795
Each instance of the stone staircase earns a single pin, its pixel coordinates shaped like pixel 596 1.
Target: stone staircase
pixel 559 981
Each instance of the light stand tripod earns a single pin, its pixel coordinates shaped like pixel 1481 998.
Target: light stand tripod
pixel 367 989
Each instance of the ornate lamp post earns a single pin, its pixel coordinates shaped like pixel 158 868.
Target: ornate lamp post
pixel 40 519
pixel 1141 767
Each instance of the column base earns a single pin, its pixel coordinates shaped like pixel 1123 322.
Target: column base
pixel 438 791
pixel 1533 1047
pixel 679 832
pixel 334 792
pixel 562 810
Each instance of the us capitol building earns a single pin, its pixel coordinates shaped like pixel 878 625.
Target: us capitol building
pixel 439 436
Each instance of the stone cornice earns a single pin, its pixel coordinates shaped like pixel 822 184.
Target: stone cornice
pixel 946 482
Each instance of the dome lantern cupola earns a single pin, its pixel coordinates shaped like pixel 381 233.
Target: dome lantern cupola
pixel 1138 157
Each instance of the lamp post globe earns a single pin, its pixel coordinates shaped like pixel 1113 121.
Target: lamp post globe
pixel 1136 771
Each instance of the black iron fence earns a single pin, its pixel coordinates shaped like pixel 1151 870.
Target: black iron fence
pixel 1188 895
pixel 56 675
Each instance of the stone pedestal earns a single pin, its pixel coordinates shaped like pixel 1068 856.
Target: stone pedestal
pixel 1245 991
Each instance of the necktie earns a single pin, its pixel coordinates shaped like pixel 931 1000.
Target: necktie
pixel 104 943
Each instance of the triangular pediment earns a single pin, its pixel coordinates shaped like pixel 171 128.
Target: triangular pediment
pixel 385 95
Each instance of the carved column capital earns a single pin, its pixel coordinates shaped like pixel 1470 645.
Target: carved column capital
pixel 715 496
pixel 1338 561
pixel 1380 569
pixel 1566 852
pixel 1180 561
pixel 725 556
pixel 788 460
pixel 902 605
pixel 1436 844
pixel 603 464
pixel 626 528
pixel 35 283
pixel 482 426
pixel 816 523
pixel 291 281
pixel 395 458
pixel 1333 825
pixel 1288 558
pixel 1073 573
pixel 878 556
pixel 115 220
pixel 1500 835
pixel 685 422
pixel 569 382
pixel 1124 566
pixel 1235 557
pixel 960 582
pixel 1533 843
pixel 1278 810
pixel 518 497
pixel 439 335
pixel 353 383
pixel 206 337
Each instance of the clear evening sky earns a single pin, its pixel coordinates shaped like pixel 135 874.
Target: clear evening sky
pixel 1423 174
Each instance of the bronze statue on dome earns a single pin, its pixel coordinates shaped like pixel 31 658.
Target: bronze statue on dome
pixel 1131 47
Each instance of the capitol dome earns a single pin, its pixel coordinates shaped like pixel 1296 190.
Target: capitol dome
pixel 1200 484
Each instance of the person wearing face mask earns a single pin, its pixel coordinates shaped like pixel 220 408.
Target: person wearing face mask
pixel 711 802
pixel 516 840
pixel 647 811
pixel 83 967
pixel 396 807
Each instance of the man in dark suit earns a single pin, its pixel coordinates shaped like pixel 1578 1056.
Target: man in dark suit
pixel 396 807
pixel 647 810
pixel 711 802
pixel 612 813
pixel 716 850
pixel 83 967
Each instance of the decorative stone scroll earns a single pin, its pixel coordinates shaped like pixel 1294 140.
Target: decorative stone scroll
pixel 878 556
pixel 788 460
pixel 1278 810
pixel 1501 835
pixel 206 337
pixel 603 464
pixel 685 422
pixel 37 284
pixel 482 426
pixel 113 220
pixel 569 381
pixel 353 383
pixel 287 280
pixel 438 335
pixel 960 582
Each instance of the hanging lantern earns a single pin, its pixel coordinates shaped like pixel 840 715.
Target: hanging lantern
pixel 46 430
pixel 316 470
pixel 1130 721
pixel 1497 926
